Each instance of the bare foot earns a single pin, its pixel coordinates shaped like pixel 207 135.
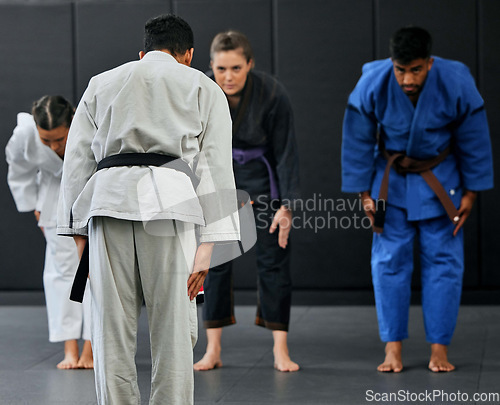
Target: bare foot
pixel 209 361
pixel 439 358
pixel 86 359
pixel 70 355
pixel 392 360
pixel 282 361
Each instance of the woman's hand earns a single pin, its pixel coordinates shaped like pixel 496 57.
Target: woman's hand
pixel 283 219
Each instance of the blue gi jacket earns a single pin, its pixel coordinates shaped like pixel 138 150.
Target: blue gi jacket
pixel 450 110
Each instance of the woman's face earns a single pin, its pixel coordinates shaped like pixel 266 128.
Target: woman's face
pixel 55 138
pixel 230 70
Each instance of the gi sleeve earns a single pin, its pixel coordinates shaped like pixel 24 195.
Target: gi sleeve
pixel 216 191
pixel 472 145
pixel 79 162
pixel 359 138
pixel 284 146
pixel 22 172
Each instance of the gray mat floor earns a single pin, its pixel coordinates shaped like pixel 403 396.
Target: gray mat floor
pixel 337 348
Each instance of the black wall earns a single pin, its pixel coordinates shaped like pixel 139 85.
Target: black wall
pixel 315 47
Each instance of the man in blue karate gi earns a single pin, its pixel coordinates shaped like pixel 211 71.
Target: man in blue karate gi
pixel 416 148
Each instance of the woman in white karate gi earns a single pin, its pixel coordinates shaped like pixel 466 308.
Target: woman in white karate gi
pixel 35 155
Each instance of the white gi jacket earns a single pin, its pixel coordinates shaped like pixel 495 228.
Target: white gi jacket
pixel 155 105
pixel 34 174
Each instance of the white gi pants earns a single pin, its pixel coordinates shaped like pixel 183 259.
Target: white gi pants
pixel 128 264
pixel 67 319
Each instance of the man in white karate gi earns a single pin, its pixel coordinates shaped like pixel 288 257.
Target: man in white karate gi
pixel 140 215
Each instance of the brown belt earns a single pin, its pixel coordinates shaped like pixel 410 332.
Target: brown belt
pixel 403 165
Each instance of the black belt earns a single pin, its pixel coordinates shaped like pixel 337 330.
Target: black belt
pixel 149 159
pixel 126 159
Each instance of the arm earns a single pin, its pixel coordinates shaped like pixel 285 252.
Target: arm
pixel 472 147
pixel 215 171
pixel 200 270
pixel 80 241
pixel 22 172
pixel 359 138
pixel 286 157
pixel 281 130
pixel 358 145
pixel 215 167
pixel 465 209
pixel 79 162
pixel 283 219
pixel 368 205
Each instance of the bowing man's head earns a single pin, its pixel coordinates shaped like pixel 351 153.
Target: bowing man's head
pixel 410 49
pixel 171 34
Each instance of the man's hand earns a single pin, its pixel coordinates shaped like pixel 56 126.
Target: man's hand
pixel 283 219
pixel 200 269
pixel 80 241
pixel 368 205
pixel 465 209
pixel 37 216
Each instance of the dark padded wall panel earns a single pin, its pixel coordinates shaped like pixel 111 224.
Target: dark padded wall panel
pixel 36 45
pixel 489 68
pixel 452 24
pixel 321 47
pixel 110 34
pixel 316 48
pixel 253 18
pixel 207 18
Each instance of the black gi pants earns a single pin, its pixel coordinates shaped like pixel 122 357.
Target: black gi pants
pixel 274 286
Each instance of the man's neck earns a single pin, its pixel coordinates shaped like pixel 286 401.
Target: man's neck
pixel 414 99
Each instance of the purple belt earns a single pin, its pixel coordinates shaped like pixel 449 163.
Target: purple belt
pixel 243 156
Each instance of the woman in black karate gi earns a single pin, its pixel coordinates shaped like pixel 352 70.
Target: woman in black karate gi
pixel 265 163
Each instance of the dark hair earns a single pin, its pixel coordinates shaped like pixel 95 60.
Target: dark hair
pixel 229 41
pixel 170 32
pixel 410 43
pixel 51 112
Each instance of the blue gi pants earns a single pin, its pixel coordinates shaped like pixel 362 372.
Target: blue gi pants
pixel 442 268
